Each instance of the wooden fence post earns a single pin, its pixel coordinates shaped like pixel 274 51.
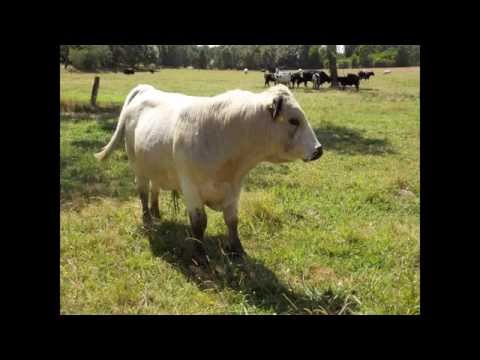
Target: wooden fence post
pixel 96 84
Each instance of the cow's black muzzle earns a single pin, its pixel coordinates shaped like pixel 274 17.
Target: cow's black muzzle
pixel 318 152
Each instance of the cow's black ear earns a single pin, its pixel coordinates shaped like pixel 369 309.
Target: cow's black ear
pixel 276 106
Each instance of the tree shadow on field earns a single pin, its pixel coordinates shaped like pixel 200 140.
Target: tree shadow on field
pixel 261 287
pixel 350 141
pixel 90 146
pixel 86 116
pixel 82 177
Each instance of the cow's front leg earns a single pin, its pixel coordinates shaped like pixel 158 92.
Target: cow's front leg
pixel 198 221
pixel 230 215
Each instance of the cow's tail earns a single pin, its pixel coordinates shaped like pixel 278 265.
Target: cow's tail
pixel 120 130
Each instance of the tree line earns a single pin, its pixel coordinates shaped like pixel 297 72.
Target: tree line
pixel 254 57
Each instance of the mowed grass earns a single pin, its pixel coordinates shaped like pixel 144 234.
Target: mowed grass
pixel 336 236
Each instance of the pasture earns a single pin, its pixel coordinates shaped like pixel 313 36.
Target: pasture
pixel 340 235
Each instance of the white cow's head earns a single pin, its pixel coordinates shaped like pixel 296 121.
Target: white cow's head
pixel 290 135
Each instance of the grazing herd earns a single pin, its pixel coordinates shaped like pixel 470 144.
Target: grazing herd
pixel 292 78
pixel 315 76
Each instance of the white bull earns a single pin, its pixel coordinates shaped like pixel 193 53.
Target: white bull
pixel 203 147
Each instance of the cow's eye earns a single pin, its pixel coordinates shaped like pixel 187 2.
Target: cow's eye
pixel 294 122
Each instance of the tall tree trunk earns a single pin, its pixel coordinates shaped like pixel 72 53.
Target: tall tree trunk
pixel 332 61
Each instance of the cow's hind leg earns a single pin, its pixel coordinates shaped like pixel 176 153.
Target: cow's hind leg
pixel 154 209
pixel 142 187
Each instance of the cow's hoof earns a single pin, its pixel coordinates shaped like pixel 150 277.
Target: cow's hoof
pixel 237 258
pixel 200 260
pixel 195 254
pixel 199 257
pixel 236 254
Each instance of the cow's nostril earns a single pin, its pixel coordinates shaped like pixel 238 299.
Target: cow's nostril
pixel 318 152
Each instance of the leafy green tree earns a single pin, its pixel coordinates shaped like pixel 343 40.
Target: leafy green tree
pixel 303 55
pixel 355 61
pixel 344 63
pixel 150 55
pixel 64 49
pixel 323 57
pixel 202 59
pixel 269 57
pixel 350 49
pixel 90 57
pixel 118 56
pixel 227 58
pixel 414 54
pixel 314 57
pixel 364 54
pixel 127 55
pixel 402 58
pixel 332 61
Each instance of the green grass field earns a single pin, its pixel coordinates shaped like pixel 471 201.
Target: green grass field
pixel 336 236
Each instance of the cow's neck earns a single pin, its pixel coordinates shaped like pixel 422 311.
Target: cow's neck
pixel 253 158
pixel 254 144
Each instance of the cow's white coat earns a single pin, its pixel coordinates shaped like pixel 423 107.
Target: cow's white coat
pixel 204 146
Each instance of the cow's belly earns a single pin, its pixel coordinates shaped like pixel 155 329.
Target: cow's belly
pixel 216 195
pixel 159 167
pixel 165 180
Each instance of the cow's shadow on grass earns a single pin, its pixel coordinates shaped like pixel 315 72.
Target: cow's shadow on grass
pixel 350 141
pixel 260 286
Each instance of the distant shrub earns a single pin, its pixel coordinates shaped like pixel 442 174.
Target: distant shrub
pixel 402 57
pixel 382 62
pixel 355 61
pixel 344 63
pixel 90 58
pixel 385 58
pixel 366 61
